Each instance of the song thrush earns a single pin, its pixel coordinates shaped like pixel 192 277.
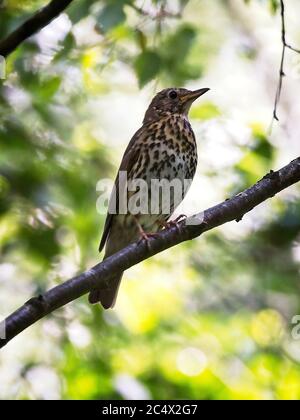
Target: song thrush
pixel 163 148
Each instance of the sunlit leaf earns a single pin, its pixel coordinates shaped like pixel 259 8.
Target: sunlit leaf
pixel 49 88
pixel 274 5
pixel 205 111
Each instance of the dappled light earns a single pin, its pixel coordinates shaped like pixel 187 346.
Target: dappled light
pixel 208 319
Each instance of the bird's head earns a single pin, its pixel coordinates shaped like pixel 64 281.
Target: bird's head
pixel 172 100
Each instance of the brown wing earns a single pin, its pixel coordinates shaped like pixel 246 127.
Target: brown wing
pixel 127 162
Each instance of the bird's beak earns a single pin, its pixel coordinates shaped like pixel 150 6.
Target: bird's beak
pixel 192 96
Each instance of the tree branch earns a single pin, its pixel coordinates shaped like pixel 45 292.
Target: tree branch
pixel 38 21
pixel 158 15
pixel 231 209
pixel 281 68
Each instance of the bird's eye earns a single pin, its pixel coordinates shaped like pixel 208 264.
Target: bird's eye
pixel 173 94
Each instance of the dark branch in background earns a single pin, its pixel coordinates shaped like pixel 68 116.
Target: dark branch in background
pixel 159 15
pixel 231 209
pixel 281 69
pixel 38 21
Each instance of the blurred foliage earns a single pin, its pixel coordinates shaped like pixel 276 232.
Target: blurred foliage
pixel 273 4
pixel 205 111
pixel 207 319
pixel 257 160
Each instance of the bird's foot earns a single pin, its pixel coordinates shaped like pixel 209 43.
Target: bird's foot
pixel 145 236
pixel 180 218
pixel 174 222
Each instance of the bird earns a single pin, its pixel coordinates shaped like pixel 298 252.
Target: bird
pixel 163 148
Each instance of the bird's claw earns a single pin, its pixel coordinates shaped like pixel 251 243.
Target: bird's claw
pixel 180 218
pixel 144 236
pixel 175 222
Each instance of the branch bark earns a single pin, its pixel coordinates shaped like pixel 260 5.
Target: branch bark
pixel 231 209
pixel 36 22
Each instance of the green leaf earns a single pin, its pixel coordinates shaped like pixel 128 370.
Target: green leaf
pixel 79 9
pixel 68 45
pixel 178 45
pixel 274 5
pixel 141 39
pixel 147 66
pixel 262 145
pixel 252 166
pixel 49 88
pixel 183 3
pixel 112 14
pixel 175 52
pixel 205 111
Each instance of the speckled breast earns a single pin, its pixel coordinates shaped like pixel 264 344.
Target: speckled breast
pixel 171 151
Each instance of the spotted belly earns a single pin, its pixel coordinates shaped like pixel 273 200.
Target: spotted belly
pixel 167 178
pixel 165 151
pixel 167 164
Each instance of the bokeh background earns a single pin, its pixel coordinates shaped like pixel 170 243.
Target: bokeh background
pixel 211 318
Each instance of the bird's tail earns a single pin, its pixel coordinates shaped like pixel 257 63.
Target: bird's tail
pixel 107 296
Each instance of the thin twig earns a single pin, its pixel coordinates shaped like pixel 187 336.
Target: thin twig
pixel 98 276
pixel 158 15
pixel 281 69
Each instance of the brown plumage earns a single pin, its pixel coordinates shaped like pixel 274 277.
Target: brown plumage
pixel 163 148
